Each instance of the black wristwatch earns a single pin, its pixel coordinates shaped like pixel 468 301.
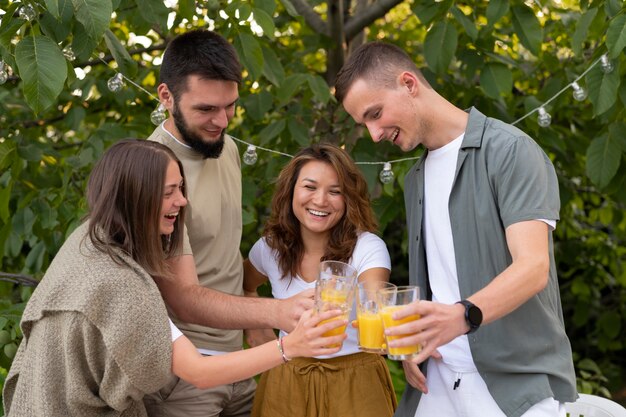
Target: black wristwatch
pixel 473 315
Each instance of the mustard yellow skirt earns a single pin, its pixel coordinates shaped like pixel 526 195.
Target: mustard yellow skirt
pixel 357 385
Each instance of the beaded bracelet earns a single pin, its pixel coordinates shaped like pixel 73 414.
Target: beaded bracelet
pixel 279 344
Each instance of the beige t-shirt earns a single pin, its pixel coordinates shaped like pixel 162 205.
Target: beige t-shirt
pixel 214 225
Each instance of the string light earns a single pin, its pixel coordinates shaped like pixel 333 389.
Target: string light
pixel 158 116
pixel 579 93
pixel 606 65
pixel 4 74
pixel 386 175
pixel 27 12
pixel 68 52
pixel 116 83
pixel 544 118
pixel 250 157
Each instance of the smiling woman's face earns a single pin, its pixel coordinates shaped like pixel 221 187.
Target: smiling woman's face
pixel 173 199
pixel 318 201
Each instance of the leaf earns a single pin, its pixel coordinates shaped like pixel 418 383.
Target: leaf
pixel 5 197
pixel 269 6
pixel 468 24
pixel 602 88
pixel 43 71
pixel 580 34
pixel 429 11
pixel 94 15
pixel 496 80
pixel 610 323
pixel 495 10
pixel 82 44
pixel 251 54
pixel 290 8
pixel 125 62
pixel 299 132
pixel 440 46
pixel 187 9
pixel 527 28
pixel 272 68
pixel 52 6
pixel 271 131
pixel 7 153
pixel 265 21
pixel 289 87
pixel 603 159
pixel 321 91
pixel 257 105
pixel 9 27
pixel 34 259
pixel 154 12
pixel 613 7
pixel 616 36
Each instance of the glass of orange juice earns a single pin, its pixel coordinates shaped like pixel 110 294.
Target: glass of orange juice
pixel 370 334
pixel 391 300
pixel 334 290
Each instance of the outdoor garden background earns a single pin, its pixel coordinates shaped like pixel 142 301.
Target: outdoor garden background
pixel 60 107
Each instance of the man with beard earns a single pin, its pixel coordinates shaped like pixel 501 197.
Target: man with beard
pixel 199 81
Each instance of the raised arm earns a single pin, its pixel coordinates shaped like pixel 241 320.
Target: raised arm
pixel 194 303
pixel 526 276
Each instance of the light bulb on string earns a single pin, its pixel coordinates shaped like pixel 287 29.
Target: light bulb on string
pixel 27 12
pixel 116 83
pixel 606 64
pixel 386 175
pixel 579 93
pixel 158 116
pixel 68 53
pixel 250 157
pixel 544 118
pixel 4 74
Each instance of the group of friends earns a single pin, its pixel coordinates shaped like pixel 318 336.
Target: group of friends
pixel 144 308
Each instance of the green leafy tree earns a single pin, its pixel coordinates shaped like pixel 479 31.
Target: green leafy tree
pixel 508 58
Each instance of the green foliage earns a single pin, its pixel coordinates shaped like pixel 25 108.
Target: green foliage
pixel 506 58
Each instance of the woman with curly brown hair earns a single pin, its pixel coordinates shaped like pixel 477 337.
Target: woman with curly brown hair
pixel 321 211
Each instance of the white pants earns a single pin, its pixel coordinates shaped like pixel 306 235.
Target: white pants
pixel 470 398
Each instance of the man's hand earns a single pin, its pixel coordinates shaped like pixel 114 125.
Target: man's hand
pixel 290 309
pixel 438 324
pixel 414 375
pixel 257 337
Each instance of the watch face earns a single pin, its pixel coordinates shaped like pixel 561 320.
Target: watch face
pixel 474 315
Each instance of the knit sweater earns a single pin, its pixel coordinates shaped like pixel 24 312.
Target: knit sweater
pixel 96 338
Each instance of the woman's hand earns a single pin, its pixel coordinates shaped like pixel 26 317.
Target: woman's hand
pixel 307 338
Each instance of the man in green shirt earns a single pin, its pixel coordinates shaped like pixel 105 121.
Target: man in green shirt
pixel 481 206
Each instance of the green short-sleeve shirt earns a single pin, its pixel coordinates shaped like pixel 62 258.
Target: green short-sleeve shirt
pixel 502 177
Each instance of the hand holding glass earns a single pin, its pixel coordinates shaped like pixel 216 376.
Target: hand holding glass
pixel 390 301
pixel 334 290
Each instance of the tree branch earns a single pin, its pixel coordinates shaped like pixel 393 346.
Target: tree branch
pixel 20 279
pixel 360 21
pixel 310 16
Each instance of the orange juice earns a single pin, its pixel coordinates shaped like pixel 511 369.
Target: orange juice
pixel 336 331
pixel 404 352
pixel 370 331
pixel 333 297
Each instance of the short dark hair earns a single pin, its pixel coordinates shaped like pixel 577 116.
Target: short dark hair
pixel 198 52
pixel 374 61
pixel 125 196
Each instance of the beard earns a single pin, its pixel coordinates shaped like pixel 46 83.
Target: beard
pixel 206 149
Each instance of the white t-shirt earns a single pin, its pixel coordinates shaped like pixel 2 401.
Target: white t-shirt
pixel 439 170
pixel 176 333
pixel 370 252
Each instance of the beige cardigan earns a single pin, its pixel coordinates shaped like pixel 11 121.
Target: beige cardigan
pixel 96 338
